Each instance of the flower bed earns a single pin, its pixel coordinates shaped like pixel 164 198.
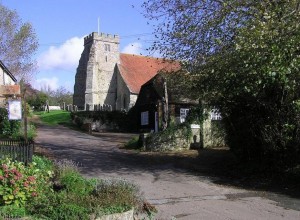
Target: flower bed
pixel 46 190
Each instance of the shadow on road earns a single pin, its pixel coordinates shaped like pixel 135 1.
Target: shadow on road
pixel 96 155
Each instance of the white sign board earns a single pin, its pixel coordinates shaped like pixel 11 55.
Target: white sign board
pixel 14 110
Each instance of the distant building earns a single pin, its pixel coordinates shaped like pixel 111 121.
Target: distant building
pixel 8 85
pixel 107 77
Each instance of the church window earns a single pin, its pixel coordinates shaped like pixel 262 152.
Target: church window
pixel 144 118
pixel 105 58
pixel 107 47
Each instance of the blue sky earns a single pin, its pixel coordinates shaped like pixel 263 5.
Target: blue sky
pixel 60 26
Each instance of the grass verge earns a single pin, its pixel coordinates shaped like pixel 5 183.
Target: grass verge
pixel 58 117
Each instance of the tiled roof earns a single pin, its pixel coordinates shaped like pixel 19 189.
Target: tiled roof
pixel 10 89
pixel 137 70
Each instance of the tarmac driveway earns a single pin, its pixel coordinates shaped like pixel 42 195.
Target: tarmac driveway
pixel 176 193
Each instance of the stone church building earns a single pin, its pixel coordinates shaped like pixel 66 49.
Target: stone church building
pixel 107 77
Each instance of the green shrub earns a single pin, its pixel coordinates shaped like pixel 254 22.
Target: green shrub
pixel 78 198
pixel 8 128
pixel 116 194
pixel 134 143
pixel 65 166
pixel 264 136
pixel 19 134
pixel 19 183
pixel 14 128
pixel 75 183
pixel 11 212
pixel 43 163
pixel 78 121
pixel 59 205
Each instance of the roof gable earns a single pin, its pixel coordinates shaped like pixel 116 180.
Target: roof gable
pixel 137 70
pixel 178 87
pixel 7 71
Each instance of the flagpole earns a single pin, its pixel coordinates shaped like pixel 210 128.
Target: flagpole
pixel 98 26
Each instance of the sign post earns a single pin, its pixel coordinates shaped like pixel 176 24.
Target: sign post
pixel 14 110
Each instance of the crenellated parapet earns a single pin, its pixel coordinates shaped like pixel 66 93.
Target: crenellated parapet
pixel 101 37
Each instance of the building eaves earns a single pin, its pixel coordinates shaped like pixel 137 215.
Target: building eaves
pixel 7 71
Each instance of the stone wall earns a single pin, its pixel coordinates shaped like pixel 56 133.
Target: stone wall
pixel 213 136
pixel 163 141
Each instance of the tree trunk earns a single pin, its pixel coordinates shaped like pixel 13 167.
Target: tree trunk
pixel 165 107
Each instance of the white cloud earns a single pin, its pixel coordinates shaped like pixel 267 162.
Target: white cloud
pixel 65 56
pixel 45 83
pixel 133 48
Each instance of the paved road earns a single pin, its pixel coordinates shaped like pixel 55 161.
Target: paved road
pixel 176 193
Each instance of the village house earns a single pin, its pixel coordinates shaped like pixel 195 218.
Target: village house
pixel 9 88
pixel 168 97
pixel 153 98
pixel 106 77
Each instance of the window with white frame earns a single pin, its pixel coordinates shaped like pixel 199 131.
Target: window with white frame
pixel 183 113
pixel 215 115
pixel 145 118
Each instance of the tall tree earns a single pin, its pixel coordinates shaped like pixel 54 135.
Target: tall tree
pixel 247 56
pixel 18 42
pixel 190 30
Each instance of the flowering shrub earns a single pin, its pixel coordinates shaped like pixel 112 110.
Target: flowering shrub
pixel 19 183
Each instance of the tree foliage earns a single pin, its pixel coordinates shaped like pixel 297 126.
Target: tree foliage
pixel 58 96
pixel 37 101
pixel 247 58
pixel 18 42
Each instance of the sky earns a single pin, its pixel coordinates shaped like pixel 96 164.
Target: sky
pixel 61 25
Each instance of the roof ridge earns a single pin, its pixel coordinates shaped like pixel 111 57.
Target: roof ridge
pixel 157 58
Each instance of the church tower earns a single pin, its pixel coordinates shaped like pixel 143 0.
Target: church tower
pixel 95 81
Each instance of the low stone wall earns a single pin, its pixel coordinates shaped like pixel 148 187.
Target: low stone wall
pixel 102 120
pixel 213 136
pixel 168 142
pixel 118 216
pixel 89 125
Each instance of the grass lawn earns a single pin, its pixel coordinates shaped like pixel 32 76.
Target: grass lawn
pixel 57 117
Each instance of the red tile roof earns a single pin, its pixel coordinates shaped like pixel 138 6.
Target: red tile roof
pixel 10 90
pixel 137 70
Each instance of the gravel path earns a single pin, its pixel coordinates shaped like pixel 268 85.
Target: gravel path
pixel 176 193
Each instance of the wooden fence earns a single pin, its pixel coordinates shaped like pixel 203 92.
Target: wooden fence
pixel 17 150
